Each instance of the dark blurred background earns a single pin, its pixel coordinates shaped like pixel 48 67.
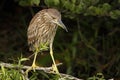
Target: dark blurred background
pixel 91 45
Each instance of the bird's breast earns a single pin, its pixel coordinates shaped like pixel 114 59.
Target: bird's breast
pixel 46 33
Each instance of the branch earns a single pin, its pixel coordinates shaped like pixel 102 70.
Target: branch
pixel 69 77
pixel 45 69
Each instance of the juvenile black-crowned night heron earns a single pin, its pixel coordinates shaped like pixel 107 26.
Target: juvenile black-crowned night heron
pixel 41 33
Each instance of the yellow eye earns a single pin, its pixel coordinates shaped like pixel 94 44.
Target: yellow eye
pixel 53 17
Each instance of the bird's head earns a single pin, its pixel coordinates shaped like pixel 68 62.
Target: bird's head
pixel 56 17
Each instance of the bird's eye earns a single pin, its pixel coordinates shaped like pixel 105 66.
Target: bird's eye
pixel 53 17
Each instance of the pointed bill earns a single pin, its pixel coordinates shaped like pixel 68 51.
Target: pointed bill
pixel 60 23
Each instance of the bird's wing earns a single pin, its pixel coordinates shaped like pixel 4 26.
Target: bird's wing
pixel 33 30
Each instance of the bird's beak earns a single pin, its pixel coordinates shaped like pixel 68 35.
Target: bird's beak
pixel 60 23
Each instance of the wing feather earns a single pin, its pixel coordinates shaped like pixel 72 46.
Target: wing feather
pixel 33 30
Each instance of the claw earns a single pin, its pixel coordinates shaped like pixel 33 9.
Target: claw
pixel 33 67
pixel 54 68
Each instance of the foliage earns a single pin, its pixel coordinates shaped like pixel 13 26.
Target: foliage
pixel 98 76
pixel 92 44
pixel 28 2
pixel 12 74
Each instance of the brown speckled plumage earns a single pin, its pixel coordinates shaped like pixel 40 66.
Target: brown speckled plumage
pixel 41 30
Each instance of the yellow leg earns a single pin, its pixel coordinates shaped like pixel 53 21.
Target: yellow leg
pixel 33 64
pixel 54 64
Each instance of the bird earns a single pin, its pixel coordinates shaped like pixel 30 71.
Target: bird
pixel 41 33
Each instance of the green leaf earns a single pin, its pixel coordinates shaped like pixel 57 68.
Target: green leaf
pixel 67 5
pixel 3 70
pixel 115 14
pixel 56 2
pixel 35 2
pixel 73 1
pixel 118 1
pixel 24 59
pixel 24 3
pixel 106 6
pixel 72 7
pixel 29 2
pixel 50 3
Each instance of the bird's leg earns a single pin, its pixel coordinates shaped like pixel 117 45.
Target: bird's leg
pixel 54 64
pixel 33 64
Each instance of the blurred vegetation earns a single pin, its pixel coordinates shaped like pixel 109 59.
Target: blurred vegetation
pixel 91 46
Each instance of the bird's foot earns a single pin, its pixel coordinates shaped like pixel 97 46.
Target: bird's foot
pixel 55 70
pixel 33 67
